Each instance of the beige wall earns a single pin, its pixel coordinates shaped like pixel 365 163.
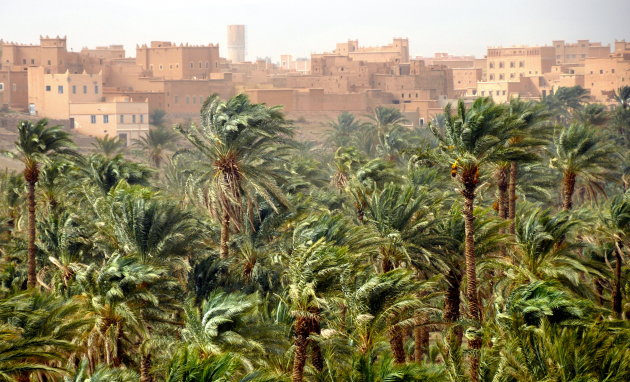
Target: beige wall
pixel 509 64
pixel 169 61
pixel 14 93
pixel 123 119
pixel 604 75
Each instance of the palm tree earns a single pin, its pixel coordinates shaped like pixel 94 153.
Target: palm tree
pixel 529 131
pixel 313 270
pixel 565 101
pixel 36 143
pixel 156 143
pixel 594 114
pixel 472 139
pixel 103 174
pixel 384 119
pixel 109 147
pixel 580 151
pixel 616 226
pixel 343 131
pixel 157 117
pixel 622 96
pixel 246 145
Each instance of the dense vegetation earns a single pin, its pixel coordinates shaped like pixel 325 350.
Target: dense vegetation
pixel 489 247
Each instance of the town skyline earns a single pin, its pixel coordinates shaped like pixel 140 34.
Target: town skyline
pixel 448 29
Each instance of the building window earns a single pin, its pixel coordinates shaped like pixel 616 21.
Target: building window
pixel 49 63
pixel 511 75
pixel 176 99
pixel 160 67
pixel 194 100
pixel 187 99
pixel 122 118
pixel 192 65
pixel 611 70
pixel 95 89
pixel 199 64
pixel 601 71
pixel 207 64
pixel 503 92
pixel 141 118
pixel 32 61
pixel 24 61
pixel 490 93
pixel 133 118
pixel 170 66
pixel 74 89
pixel 92 118
pixel 483 93
pixel 106 118
pixel 60 89
pixel 14 86
pixel 521 64
pixel 501 64
pixel 1 86
pixel 47 88
pixel 492 65
pixel 84 89
pixel 501 76
pixel 491 77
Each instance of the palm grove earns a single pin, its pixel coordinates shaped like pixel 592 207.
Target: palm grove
pixel 489 247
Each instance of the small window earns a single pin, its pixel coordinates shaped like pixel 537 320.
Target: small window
pixel 133 118
pixel 160 67
pixel 1 86
pixel 170 66
pixel 521 64
pixel 501 76
pixel 207 64
pixel 32 61
pixel 49 63
pixel 141 118
pixel 24 61
pixel 199 64
pixel 95 89
pixel 47 88
pixel 122 118
pixel 187 99
pixel 601 71
pixel 611 70
pixel 194 99
pixel 492 65
pixel 84 89
pixel 92 118
pixel 192 65
pixel 74 89
pixel 176 99
pixel 106 118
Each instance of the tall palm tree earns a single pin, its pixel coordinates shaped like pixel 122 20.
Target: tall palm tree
pixel 246 145
pixel 156 143
pixel 314 269
pixel 343 131
pixel 36 143
pixel 616 226
pixel 528 132
pixel 580 151
pixel 101 173
pixel 383 120
pixel 108 146
pixel 472 139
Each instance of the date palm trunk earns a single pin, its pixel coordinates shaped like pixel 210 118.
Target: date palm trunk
pixel 225 235
pixel 469 180
pixel 452 303
pixel 31 175
pixel 616 292
pixel 396 343
pixel 145 368
pixel 300 344
pixel 568 187
pixel 421 338
pixel 511 214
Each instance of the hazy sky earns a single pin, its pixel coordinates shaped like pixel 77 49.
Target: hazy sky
pixel 301 27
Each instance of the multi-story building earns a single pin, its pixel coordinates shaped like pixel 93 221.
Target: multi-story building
pixel 602 76
pixel 509 64
pixel 578 52
pixel 178 62
pixel 79 98
pixel 397 51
